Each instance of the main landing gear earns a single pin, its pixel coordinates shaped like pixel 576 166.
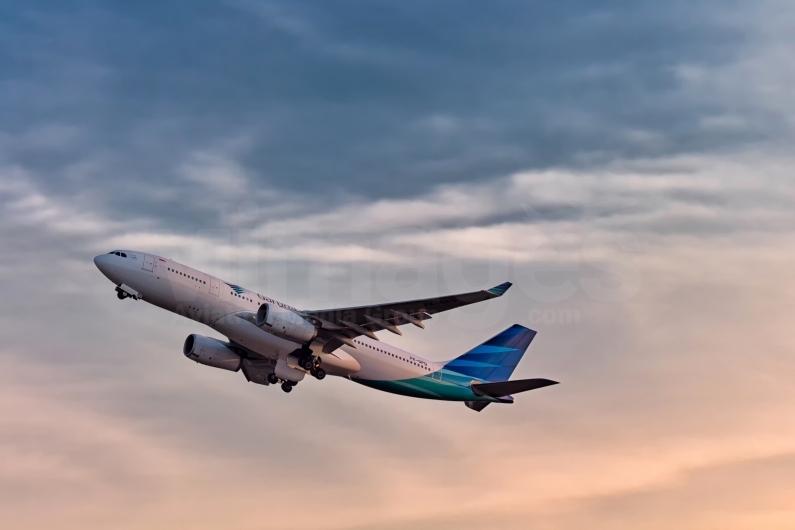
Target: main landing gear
pixel 309 363
pixel 287 386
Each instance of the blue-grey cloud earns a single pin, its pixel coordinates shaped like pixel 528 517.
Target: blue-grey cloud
pixel 350 98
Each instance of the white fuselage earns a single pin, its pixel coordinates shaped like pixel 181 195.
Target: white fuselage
pixel 218 304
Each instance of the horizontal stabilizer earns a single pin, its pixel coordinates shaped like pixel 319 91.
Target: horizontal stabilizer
pixel 506 388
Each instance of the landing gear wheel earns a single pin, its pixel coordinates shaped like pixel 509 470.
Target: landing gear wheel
pixel 307 363
pixel 120 295
pixel 272 379
pixel 319 374
pixel 287 387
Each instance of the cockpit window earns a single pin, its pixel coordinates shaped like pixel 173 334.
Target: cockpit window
pixel 117 253
pixel 123 255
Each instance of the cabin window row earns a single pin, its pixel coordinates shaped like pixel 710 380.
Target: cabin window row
pixel 240 296
pixel 391 354
pixel 186 275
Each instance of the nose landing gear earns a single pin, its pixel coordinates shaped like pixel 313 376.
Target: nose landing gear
pixel 121 294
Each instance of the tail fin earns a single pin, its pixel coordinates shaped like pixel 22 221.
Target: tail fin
pixel 495 359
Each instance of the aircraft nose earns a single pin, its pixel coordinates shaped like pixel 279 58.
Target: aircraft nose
pixel 101 262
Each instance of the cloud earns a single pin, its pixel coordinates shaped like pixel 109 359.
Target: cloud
pixel 656 388
pixel 215 174
pixel 627 166
pixel 440 99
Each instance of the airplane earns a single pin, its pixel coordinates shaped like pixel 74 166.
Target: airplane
pixel 273 343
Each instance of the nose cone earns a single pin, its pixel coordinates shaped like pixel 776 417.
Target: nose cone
pixel 102 264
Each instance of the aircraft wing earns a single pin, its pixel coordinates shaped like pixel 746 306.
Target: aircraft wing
pixel 339 326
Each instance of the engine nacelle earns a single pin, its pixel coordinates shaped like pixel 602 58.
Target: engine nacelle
pixel 285 323
pixel 211 352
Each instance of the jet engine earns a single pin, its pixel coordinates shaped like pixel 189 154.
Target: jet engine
pixel 285 323
pixel 211 352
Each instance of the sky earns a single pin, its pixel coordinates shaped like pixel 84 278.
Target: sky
pixel 627 165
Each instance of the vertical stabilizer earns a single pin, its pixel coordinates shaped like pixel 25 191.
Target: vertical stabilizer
pixel 495 359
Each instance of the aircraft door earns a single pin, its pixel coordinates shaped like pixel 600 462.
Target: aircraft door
pixel 215 286
pixel 149 262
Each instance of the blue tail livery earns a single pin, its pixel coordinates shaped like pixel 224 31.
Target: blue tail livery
pixel 495 359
